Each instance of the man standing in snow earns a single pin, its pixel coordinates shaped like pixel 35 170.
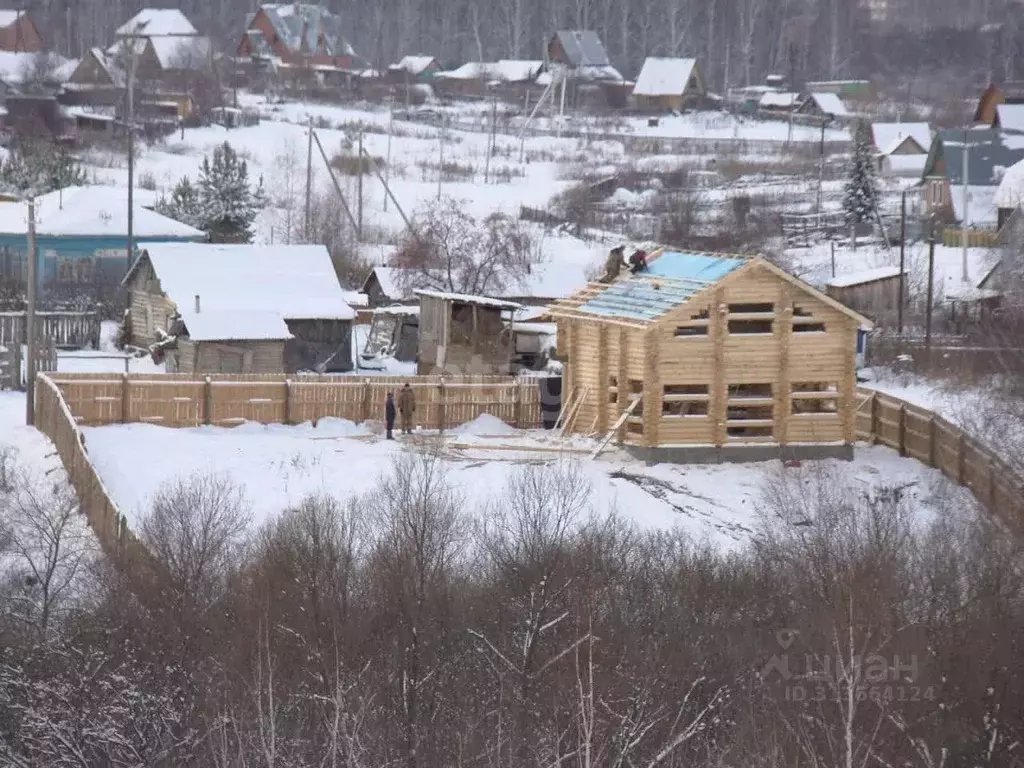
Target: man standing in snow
pixel 389 415
pixel 407 407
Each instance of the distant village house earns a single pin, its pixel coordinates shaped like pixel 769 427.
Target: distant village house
pixel 18 33
pixel 668 85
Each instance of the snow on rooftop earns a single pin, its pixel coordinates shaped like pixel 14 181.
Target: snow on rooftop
pixel 888 136
pixel 1010 193
pixel 182 52
pixel 93 211
pixel 865 276
pixel 830 104
pixel 152 22
pixel 414 65
pixel 664 76
pixel 483 301
pixel 397 309
pixel 1011 117
pixel 15 67
pixel 779 100
pixel 907 165
pixel 249 282
pixel 228 325
pixel 981 206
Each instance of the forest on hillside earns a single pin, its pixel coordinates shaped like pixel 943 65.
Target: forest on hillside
pixel 922 46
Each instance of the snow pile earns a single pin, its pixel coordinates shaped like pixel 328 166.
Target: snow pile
pixel 485 424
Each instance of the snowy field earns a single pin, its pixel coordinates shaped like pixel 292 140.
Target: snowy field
pixel 279 465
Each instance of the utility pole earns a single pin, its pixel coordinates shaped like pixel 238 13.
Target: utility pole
pixel 821 164
pixel 309 181
pixel 359 188
pixel 963 224
pixel 30 320
pixel 903 245
pixel 931 295
pixel 491 138
pixel 440 156
pixel 130 254
pixel 387 161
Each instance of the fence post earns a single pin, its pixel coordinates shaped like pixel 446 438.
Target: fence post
pixel 874 419
pixel 903 429
pixel 931 440
pixel 517 406
pixel 287 401
pixel 366 400
pixel 124 398
pixel 207 400
pixel 961 459
pixel 440 406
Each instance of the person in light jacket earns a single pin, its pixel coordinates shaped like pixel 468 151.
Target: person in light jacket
pixel 406 407
pixel 389 415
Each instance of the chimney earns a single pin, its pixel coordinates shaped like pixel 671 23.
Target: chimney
pixel 197 303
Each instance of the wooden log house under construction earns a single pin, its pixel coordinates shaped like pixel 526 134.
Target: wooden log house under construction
pixel 710 357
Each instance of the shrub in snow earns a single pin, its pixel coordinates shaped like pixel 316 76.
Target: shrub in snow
pixel 861 190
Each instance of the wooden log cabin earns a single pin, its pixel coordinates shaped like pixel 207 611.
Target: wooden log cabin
pixel 708 357
pixel 212 308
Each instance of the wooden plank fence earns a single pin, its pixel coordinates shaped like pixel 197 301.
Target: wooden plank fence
pixel 11 363
pixel 227 400
pixel 881 419
pixel 72 330
pixel 920 434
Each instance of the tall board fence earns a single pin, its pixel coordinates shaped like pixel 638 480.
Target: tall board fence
pixel 881 419
pixel 182 400
pixel 920 434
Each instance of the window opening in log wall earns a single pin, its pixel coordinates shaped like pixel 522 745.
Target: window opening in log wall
pixel 613 389
pixel 685 400
pixel 815 398
pixel 804 322
pixel 747 391
pixel 743 327
pixel 636 388
pixel 751 309
pixel 697 325
pixel 749 411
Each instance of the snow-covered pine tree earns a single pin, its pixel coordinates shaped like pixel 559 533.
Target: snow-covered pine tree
pixel 861 190
pixel 37 168
pixel 228 205
pixel 184 204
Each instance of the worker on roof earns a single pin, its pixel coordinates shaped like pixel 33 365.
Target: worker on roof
pixel 613 264
pixel 638 261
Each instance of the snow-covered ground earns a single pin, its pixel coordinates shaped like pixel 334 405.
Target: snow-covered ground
pixel 278 465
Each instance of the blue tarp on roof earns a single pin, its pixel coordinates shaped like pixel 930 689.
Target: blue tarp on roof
pixel 641 299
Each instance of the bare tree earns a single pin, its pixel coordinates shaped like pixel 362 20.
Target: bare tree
pixel 453 251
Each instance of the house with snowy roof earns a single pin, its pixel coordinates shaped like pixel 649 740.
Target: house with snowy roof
pixel 412 69
pixel 475 78
pixel 82 239
pixel 1009 92
pixel 208 308
pixel 164 41
pixel 668 85
pixel 901 149
pixel 18 32
pixel 824 106
pixel 1009 197
pixel 296 34
pixel 990 153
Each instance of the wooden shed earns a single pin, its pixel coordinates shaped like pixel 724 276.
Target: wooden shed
pixel 706 357
pixel 873 292
pixel 465 334
pixel 240 308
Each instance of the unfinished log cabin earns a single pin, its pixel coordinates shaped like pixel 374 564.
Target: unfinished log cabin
pixel 465 334
pixel 708 357
pixel 208 308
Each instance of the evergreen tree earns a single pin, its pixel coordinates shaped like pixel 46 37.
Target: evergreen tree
pixel 228 205
pixel 184 204
pixel 861 190
pixel 36 168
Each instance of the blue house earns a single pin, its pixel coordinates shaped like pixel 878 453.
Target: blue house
pixel 81 241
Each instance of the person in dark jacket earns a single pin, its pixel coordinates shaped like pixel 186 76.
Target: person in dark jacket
pixel 406 407
pixel 389 415
pixel 638 261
